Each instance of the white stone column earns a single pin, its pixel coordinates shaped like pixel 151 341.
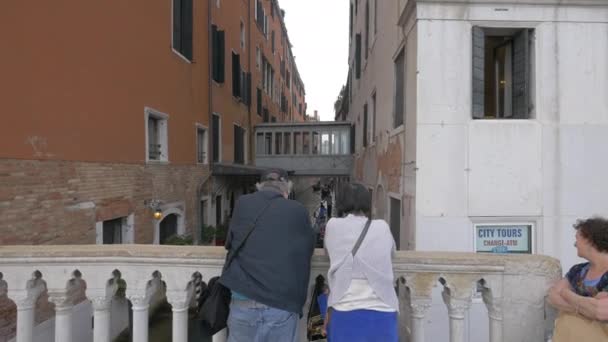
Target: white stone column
pixel 101 319
pixel 63 316
pixel 179 306
pixel 25 319
pixel 140 318
pixel 494 306
pixel 457 309
pixel 419 307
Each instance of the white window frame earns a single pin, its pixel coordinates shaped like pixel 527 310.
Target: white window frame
pixel 127 230
pixel 177 208
pixel 163 134
pixel 205 143
pixel 243 34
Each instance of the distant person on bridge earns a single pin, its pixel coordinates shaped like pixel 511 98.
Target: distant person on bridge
pixel 582 295
pixel 362 299
pixel 269 275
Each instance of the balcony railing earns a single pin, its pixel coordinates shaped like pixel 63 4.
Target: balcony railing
pixel 513 288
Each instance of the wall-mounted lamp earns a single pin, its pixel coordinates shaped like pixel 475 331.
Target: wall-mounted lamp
pixel 158 214
pixel 154 204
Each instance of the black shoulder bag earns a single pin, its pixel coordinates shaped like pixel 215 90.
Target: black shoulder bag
pixel 214 309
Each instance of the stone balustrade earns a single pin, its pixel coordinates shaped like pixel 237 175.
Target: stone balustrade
pixel 513 287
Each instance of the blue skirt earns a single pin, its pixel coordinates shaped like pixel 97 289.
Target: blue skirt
pixel 362 326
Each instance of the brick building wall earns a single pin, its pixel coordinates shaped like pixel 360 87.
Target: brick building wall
pixel 59 202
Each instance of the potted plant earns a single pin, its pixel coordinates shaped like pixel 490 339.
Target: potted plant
pixel 207 234
pixel 180 240
pixel 220 234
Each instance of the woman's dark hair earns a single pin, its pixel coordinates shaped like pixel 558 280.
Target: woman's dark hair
pixel 354 198
pixel 595 230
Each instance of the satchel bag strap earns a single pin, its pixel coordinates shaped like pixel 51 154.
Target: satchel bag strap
pixel 232 255
pixel 361 237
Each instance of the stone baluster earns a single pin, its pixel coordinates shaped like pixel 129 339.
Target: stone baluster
pixel 420 287
pixel 140 306
pixel 140 300
pixel 179 301
pixel 492 297
pixel 26 306
pixel 457 295
pixel 101 318
pixel 63 315
pixel 25 318
pixel 419 307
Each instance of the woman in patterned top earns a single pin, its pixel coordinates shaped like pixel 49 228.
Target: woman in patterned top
pixel 584 289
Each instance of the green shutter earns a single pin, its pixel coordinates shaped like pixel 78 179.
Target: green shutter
pixel 521 75
pixel 478 73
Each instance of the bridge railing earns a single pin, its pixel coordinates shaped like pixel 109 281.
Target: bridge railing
pixel 513 288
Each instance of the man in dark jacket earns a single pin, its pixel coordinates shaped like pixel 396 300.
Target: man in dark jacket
pixel 269 276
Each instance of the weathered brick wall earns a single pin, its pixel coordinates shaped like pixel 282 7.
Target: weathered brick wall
pixel 59 202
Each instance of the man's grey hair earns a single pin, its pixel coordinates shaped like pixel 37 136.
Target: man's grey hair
pixel 284 187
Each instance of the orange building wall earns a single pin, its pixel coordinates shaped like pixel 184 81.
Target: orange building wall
pixel 231 110
pixel 77 76
pixel 228 17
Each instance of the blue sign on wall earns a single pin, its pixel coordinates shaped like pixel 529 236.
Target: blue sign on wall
pixel 503 238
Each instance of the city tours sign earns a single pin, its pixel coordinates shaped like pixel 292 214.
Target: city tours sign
pixel 503 238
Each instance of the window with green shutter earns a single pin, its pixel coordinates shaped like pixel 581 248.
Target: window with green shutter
pixel 502 68
pixel 182 27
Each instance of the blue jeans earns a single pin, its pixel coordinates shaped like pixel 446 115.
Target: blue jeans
pixel 250 321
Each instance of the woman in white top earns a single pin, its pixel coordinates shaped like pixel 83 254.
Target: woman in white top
pixel 362 299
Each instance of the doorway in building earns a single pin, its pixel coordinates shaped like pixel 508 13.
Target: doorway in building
pixel 395 221
pixel 168 228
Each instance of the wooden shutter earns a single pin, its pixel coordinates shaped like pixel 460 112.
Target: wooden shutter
pixel 358 55
pixel 365 125
pixel 353 136
pixel 366 28
pixel 221 56
pixel 521 75
pixel 248 89
pixel 260 13
pixel 187 22
pixel 399 111
pixel 217 54
pixel 478 73
pixel 259 101
pixel 214 53
pixel 177 24
pixel 236 75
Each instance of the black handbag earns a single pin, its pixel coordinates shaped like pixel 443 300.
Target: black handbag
pixel 214 303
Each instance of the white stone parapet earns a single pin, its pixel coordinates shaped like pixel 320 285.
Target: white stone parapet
pixel 513 287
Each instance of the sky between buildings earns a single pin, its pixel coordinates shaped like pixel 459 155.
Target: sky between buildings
pixel 318 30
